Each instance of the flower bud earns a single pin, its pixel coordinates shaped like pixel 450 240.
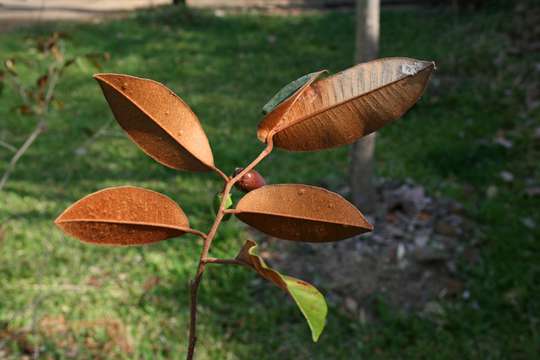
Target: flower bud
pixel 250 181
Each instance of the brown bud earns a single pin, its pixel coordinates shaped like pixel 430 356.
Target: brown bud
pixel 250 181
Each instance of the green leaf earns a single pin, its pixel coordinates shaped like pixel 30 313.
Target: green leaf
pixel 217 202
pixel 287 91
pixel 228 201
pixel 310 301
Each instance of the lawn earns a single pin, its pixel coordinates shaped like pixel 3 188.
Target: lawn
pixel 81 301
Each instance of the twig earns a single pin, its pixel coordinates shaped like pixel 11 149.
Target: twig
pixel 222 174
pixel 224 261
pixel 20 89
pixel 196 232
pixel 194 285
pixel 38 129
pixel 95 135
pixel 54 77
pixel 8 146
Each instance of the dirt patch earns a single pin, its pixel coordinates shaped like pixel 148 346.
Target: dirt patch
pixel 409 260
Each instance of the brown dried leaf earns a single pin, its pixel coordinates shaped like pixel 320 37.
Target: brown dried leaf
pixel 124 215
pixel 340 109
pixel 158 121
pixel 41 82
pixel 25 110
pixel 301 213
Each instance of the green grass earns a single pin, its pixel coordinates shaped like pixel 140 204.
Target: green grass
pixel 226 68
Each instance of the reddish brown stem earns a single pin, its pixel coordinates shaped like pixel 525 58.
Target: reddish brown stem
pixel 224 261
pixel 222 174
pixel 194 286
pixel 196 232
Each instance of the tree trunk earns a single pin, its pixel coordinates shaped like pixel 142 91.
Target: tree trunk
pixel 178 2
pixel 361 153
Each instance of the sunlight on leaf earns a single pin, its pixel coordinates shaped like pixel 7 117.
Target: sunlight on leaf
pixel 344 107
pixel 124 215
pixel 158 121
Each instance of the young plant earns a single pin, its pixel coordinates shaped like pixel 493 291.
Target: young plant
pixel 311 113
pixel 36 98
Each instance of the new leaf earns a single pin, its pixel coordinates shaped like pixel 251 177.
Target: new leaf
pixel 310 301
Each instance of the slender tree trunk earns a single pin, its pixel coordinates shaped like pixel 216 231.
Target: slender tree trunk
pixel 361 153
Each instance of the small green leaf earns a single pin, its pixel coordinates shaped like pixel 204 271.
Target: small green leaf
pixel 227 205
pixel 228 201
pixel 310 301
pixel 287 91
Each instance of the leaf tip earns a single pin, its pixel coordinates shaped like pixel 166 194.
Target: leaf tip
pixel 369 226
pixel 60 218
pixel 98 76
pixel 103 77
pixel 316 332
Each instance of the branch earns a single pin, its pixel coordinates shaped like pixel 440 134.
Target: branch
pixel 196 232
pixel 258 159
pixel 40 127
pixel 20 89
pixel 8 146
pixel 223 261
pixel 222 174
pixel 95 135
pixel 194 285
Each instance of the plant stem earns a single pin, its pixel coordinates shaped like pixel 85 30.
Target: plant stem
pixel 194 286
pixel 8 146
pixel 196 232
pixel 223 261
pixel 38 129
pixel 222 174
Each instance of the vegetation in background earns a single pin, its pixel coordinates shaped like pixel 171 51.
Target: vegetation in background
pixel 36 98
pixel 80 301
